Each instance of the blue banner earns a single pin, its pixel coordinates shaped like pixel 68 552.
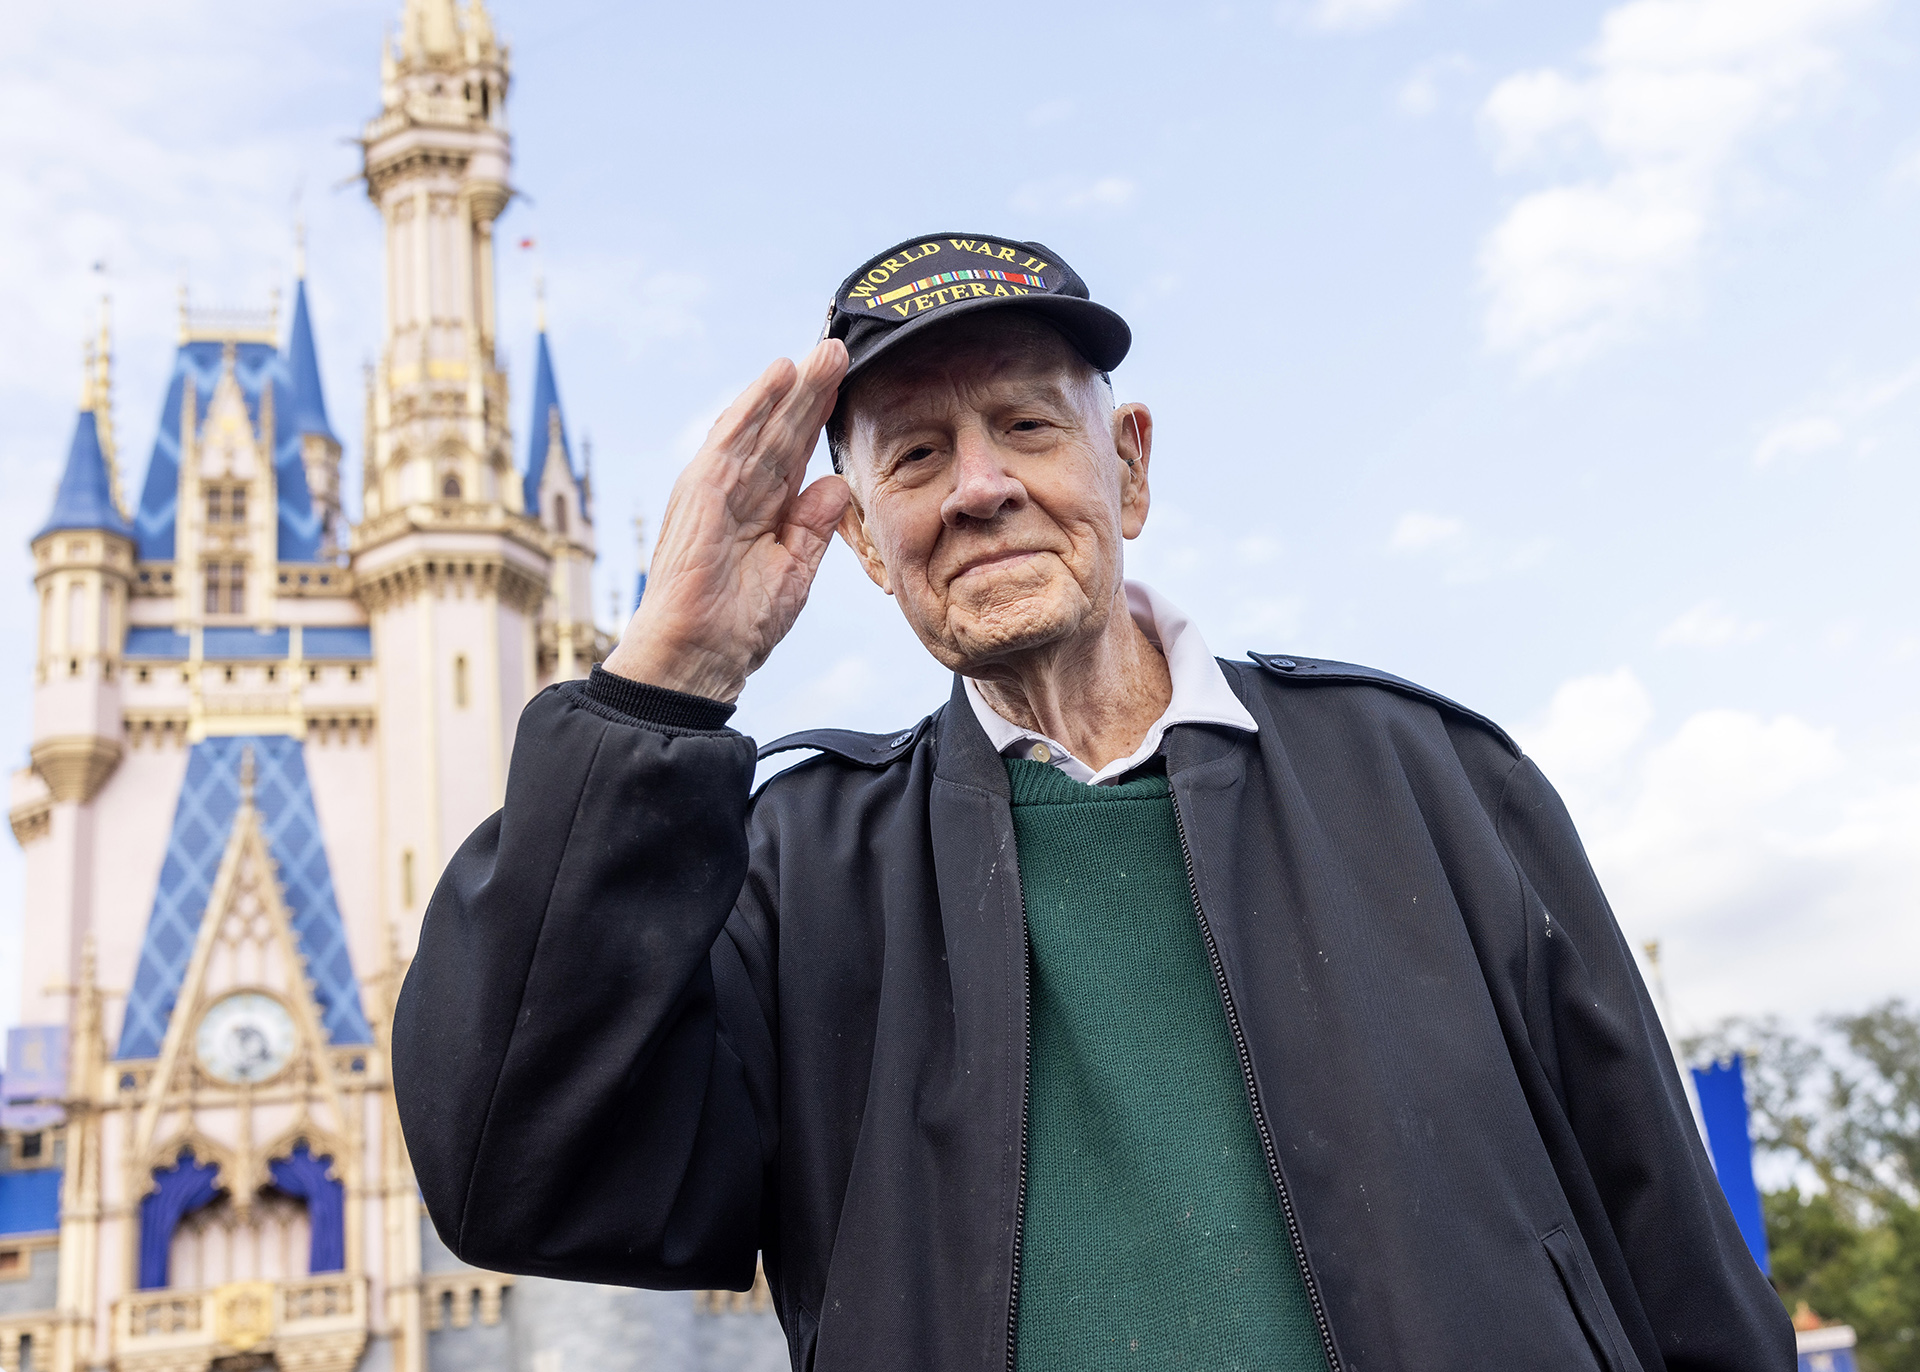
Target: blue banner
pixel 1723 1108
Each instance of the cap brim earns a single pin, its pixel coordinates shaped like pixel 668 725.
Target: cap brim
pixel 1096 332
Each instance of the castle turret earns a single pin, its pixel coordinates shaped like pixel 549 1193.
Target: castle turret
pixel 83 563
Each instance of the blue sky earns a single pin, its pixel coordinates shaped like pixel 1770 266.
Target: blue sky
pixel 1565 358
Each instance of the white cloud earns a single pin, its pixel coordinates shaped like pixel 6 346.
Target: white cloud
pixel 1420 95
pixel 1710 625
pixel 1059 195
pixel 1417 532
pixel 1798 438
pixel 1353 16
pixel 1464 557
pixel 1775 867
pixel 1590 724
pixel 1638 143
pixel 1849 412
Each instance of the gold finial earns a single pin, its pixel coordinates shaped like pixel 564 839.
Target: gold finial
pixel 479 28
pixel 103 402
pixel 540 302
pixel 299 246
pixel 273 314
pixel 183 307
pixel 246 777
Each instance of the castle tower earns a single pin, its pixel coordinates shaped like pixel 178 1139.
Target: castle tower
pixel 451 568
pixel 83 561
pixel 559 493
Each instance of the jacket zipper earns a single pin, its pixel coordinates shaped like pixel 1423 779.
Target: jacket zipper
pixel 1253 1099
pixel 1026 1100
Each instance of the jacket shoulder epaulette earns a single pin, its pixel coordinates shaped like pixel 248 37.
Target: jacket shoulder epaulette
pixel 1309 671
pixel 867 750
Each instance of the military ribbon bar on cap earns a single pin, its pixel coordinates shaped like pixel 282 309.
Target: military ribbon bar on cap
pixel 1016 271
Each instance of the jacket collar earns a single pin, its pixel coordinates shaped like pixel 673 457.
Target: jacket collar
pixel 1200 694
pixel 965 756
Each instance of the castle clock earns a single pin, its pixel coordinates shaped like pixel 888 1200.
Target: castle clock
pixel 244 1038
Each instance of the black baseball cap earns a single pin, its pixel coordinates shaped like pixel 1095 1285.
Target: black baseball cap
pixel 926 281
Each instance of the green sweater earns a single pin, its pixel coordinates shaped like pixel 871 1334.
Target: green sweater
pixel 1152 1235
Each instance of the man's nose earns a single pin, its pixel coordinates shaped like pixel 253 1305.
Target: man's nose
pixel 982 485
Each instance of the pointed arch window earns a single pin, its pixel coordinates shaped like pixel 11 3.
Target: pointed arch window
pixel 300 1174
pixel 177 1192
pixel 450 488
pixel 560 513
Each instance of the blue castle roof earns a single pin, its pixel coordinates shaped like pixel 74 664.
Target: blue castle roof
pixel 299 408
pixel 546 402
pixel 202 825
pixel 85 497
pixel 309 407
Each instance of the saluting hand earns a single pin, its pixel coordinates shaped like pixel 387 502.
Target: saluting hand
pixel 740 542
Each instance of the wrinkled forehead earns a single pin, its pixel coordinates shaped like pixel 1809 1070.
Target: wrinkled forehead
pixel 966 362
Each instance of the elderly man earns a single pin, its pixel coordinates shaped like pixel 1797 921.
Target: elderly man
pixel 1133 1010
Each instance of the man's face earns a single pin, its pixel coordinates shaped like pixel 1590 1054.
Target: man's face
pixel 991 488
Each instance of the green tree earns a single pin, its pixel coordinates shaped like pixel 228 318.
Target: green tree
pixel 1842 1106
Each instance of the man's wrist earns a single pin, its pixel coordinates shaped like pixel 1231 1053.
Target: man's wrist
pixel 650 704
pixel 684 671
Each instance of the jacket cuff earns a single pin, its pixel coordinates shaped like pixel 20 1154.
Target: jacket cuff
pixel 646 704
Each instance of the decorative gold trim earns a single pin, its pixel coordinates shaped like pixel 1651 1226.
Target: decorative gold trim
pixel 31 821
pixel 160 728
pixel 338 728
pixel 451 517
pixel 75 766
pixel 440 573
pixel 243 1314
pixel 312 581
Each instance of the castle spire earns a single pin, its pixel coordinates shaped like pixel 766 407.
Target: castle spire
pixel 87 498
pixel 547 428
pixel 308 400
pixel 96 397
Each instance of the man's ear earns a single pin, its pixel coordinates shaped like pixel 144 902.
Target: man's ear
pixel 1133 441
pixel 853 528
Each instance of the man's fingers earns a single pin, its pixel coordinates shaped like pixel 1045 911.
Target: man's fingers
pixel 789 434
pixel 739 425
pixel 811 520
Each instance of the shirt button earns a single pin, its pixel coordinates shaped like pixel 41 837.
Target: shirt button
pixel 1040 753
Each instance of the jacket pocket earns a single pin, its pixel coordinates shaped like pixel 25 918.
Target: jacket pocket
pixel 1590 1303
pixel 802 1337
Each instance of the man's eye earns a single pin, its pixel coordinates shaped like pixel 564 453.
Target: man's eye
pixel 915 454
pixel 1024 426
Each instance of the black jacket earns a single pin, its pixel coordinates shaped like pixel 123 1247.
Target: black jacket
pixel 657 1024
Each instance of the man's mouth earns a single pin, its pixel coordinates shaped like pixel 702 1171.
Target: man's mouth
pixel 996 562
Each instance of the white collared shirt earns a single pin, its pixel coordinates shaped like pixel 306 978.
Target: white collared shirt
pixel 1200 696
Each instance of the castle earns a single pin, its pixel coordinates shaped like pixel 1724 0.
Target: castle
pixel 259 730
